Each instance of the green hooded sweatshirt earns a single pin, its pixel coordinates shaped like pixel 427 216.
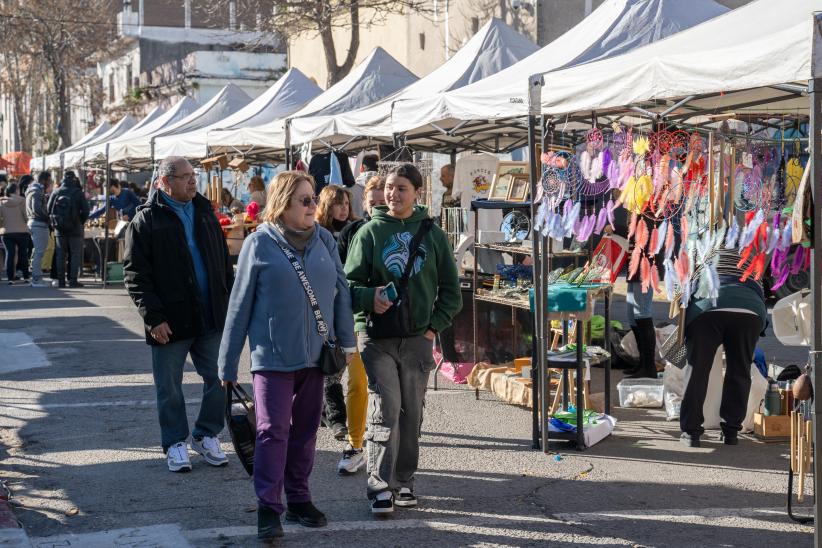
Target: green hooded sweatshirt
pixel 378 255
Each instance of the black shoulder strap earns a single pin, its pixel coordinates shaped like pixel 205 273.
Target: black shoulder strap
pixel 414 248
pixel 322 327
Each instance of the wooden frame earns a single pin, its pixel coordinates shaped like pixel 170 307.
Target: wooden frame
pixel 520 188
pixel 504 177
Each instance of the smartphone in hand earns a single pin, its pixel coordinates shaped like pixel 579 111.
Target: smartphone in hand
pixel 390 292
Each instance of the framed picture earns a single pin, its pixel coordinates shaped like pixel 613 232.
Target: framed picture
pixel 520 187
pixel 501 186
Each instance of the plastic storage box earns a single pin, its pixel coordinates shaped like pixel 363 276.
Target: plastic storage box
pixel 640 393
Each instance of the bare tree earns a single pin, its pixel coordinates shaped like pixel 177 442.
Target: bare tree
pixel 63 37
pixel 295 18
pixel 21 80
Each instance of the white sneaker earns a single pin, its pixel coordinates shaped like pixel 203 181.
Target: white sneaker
pixel 177 456
pixel 209 448
pixel 405 498
pixel 351 461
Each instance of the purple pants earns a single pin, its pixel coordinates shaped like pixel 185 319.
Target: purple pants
pixel 288 408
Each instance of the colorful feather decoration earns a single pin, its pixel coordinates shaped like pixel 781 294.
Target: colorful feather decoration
pixel 773 240
pixel 613 174
pixel 632 226
pixel 683 229
pixel 653 242
pixel 645 274
pixel 542 215
pixel 611 206
pixel 798 261
pixel 670 274
pixel 602 220
pixel 655 278
pixel 670 242
pixel 661 233
pixel 732 235
pixel 642 234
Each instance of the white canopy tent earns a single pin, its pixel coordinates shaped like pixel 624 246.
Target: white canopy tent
pixel 377 77
pixel 118 149
pixel 139 152
pixel 75 158
pixel 53 161
pixel 497 106
pixel 291 92
pixel 745 59
pixel 493 48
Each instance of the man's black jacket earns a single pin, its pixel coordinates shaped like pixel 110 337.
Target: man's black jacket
pixel 159 271
pixel 79 206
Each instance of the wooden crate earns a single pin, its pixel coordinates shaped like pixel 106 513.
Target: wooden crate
pixel 772 427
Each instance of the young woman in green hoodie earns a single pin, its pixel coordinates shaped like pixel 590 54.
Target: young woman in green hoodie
pixel 397 354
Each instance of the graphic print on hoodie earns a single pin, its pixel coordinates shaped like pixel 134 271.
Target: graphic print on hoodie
pixel 396 251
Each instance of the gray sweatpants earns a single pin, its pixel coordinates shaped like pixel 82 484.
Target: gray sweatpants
pixel 398 371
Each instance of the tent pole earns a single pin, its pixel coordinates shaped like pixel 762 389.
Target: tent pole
pixel 288 153
pixel 815 140
pixel 539 385
pixel 104 266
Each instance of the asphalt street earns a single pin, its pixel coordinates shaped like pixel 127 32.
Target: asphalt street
pixel 79 447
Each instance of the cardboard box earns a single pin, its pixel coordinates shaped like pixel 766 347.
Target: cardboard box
pixel 775 426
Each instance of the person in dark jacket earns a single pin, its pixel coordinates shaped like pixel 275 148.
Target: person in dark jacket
pixel 178 273
pixel 68 211
pixel 37 214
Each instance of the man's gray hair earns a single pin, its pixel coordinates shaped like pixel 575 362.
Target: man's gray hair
pixel 168 167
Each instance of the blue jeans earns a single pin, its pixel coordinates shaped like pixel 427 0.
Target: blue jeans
pixel 40 239
pixel 167 362
pixel 640 305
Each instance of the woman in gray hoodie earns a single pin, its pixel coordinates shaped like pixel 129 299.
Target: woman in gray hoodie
pixel 270 307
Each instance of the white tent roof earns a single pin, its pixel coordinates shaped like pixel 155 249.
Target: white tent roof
pixel 745 51
pixel 75 157
pixel 613 28
pixel 494 47
pixel 293 90
pixel 53 160
pixel 378 76
pixel 99 149
pixel 120 148
pixel 229 100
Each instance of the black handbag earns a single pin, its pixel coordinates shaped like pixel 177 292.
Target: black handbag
pixel 242 424
pixel 398 320
pixel 332 357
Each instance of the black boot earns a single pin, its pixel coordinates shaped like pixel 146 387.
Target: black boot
pixel 628 371
pixel 646 343
pixel 306 514
pixel 268 523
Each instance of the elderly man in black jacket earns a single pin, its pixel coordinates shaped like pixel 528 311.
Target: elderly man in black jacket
pixel 179 274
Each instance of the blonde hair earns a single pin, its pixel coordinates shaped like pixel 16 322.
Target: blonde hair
pixel 280 191
pixel 377 182
pixel 329 196
pixel 256 183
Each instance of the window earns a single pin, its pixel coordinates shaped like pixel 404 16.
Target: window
pixel 474 25
pixel 422 40
pixel 129 83
pixel 111 87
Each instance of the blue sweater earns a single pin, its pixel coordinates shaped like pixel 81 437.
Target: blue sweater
pixel 269 306
pixel 126 202
pixel 185 211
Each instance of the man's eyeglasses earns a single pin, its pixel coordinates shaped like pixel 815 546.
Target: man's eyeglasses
pixel 308 200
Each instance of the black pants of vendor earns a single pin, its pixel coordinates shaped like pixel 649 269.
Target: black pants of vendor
pixel 738 333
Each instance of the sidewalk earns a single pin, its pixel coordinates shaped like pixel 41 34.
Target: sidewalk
pixel 88 470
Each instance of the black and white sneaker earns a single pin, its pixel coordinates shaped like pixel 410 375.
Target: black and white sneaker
pixel 405 498
pixel 383 503
pixel 351 461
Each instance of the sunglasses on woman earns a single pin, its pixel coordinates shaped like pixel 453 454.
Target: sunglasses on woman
pixel 306 201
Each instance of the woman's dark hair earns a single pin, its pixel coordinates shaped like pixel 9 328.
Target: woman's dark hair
pixel 43 177
pixel 410 172
pixel 11 190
